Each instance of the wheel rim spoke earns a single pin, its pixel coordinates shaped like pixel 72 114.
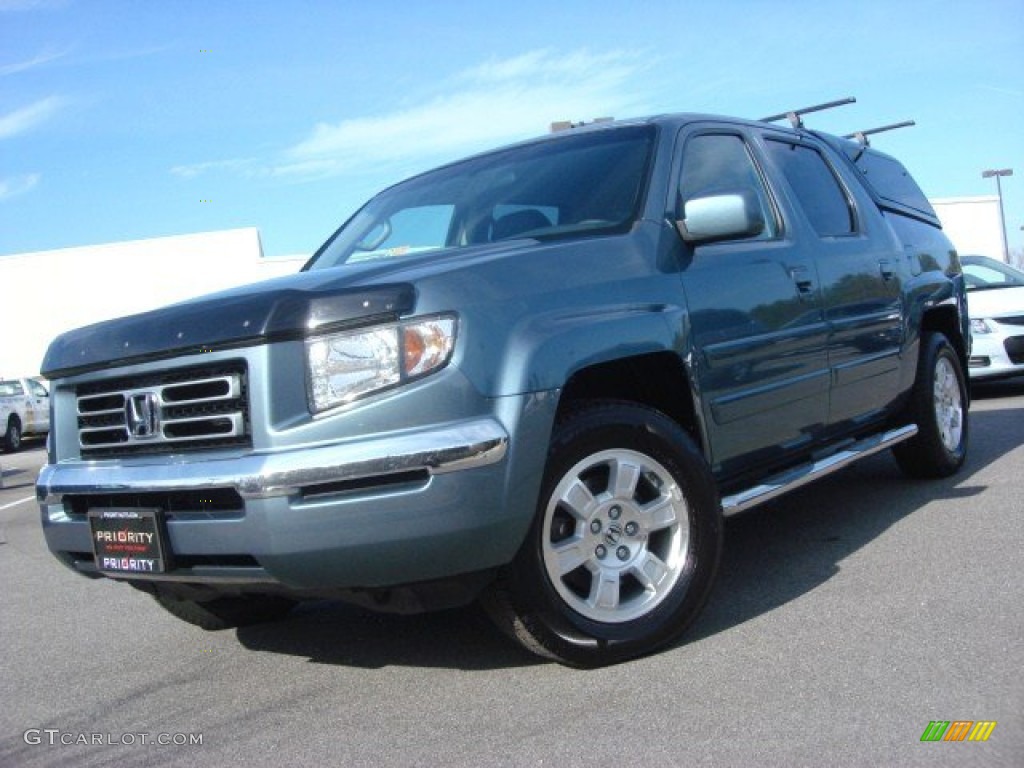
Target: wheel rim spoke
pixel 571 555
pixel 578 500
pixel 650 571
pixel 660 514
pixel 624 477
pixel 604 591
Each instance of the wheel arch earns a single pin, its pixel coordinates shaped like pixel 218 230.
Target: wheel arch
pixel 629 351
pixel 945 319
pixel 658 380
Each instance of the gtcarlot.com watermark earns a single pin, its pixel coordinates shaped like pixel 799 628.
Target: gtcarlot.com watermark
pixel 55 737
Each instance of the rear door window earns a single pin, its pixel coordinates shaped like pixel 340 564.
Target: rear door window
pixel 816 187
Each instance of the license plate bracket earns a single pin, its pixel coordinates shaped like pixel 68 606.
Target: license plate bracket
pixel 128 541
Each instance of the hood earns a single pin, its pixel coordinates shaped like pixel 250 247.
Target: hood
pixel 277 309
pixel 994 302
pixel 286 307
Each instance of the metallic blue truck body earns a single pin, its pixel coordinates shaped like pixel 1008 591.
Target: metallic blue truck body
pixel 761 351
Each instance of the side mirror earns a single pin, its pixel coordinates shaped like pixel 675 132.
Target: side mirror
pixel 720 217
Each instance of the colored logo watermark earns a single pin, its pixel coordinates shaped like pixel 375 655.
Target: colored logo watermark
pixel 958 730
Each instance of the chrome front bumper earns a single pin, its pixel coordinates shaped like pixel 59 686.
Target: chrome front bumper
pixel 464 445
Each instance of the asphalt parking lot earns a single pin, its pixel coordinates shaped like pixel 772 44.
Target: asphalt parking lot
pixel 847 617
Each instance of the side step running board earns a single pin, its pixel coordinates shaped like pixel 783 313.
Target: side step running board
pixel 805 473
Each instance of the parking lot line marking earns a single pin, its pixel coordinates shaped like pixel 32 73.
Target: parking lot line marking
pixel 16 503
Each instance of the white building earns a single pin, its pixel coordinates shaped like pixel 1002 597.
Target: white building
pixel 973 224
pixel 45 293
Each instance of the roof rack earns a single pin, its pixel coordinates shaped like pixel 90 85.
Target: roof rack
pixel 862 136
pixel 565 125
pixel 795 115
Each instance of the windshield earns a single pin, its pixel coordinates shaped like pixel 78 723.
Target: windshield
pixel 575 185
pixel 984 274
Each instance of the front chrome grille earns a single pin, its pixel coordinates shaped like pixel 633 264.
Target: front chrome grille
pixel 177 410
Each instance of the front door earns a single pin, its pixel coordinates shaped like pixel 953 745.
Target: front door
pixel 756 318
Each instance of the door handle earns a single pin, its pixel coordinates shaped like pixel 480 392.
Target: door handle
pixel 803 280
pixel 885 267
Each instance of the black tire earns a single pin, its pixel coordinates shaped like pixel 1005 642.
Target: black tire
pixel 938 405
pixel 12 436
pixel 624 545
pixel 226 612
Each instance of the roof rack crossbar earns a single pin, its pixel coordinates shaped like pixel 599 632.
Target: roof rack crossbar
pixel 794 116
pixel 862 136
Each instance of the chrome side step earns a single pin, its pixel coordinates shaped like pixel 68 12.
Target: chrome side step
pixel 805 473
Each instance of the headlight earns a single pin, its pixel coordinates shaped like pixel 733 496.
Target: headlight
pixel 980 326
pixel 345 366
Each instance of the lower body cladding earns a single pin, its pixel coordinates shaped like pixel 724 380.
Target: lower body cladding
pixel 339 520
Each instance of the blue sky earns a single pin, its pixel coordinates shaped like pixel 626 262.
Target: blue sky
pixel 129 120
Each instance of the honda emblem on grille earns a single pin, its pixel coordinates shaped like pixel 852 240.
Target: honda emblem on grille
pixel 142 415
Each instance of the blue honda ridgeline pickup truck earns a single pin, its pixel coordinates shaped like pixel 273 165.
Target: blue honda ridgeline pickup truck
pixel 539 377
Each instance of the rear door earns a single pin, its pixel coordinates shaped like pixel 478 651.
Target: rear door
pixel 755 312
pixel 859 266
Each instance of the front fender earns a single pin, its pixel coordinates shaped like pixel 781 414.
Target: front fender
pixel 544 351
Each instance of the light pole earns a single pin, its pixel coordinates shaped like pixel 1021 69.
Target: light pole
pixel 999 192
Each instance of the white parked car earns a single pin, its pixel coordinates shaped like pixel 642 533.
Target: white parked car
pixel 995 302
pixel 24 410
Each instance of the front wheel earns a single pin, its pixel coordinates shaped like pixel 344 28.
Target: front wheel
pixel 624 545
pixel 938 406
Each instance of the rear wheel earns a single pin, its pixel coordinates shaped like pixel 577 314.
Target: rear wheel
pixel 624 545
pixel 938 406
pixel 12 436
pixel 226 612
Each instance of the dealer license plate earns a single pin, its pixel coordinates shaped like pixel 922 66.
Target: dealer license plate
pixel 128 540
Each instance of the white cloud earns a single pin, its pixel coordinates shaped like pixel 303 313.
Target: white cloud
pixel 1003 90
pixel 127 54
pixel 36 61
pixel 26 118
pixel 192 170
pixel 17 185
pixel 499 101
pixel 544 66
